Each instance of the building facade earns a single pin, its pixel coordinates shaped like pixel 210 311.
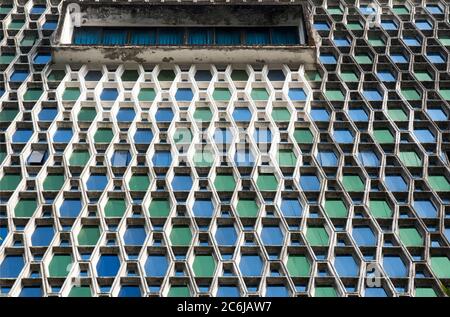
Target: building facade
pixel 297 150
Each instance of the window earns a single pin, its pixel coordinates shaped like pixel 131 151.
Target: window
pixel 182 183
pixel 394 266
pixel 327 158
pixel 37 157
pixel 156 265
pixel 309 182
pixel 31 291
pixel 143 136
pixel 277 291
pixel 164 115
pixel 346 266
pixel 134 235
pixel 425 208
pixel 250 265
pixel 108 265
pixel 272 235
pixel 343 136
pixel 42 235
pixel 203 208
pixel 228 291
pixel 120 158
pixel 396 183
pixel 242 114
pixel 226 235
pixel 364 236
pixel 162 158
pixel 97 182
pixel 11 266
pixel 63 135
pixel 126 115
pixel 70 208
pixel 368 158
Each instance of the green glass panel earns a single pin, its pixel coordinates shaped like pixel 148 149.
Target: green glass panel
pixel 259 94
pixel 325 291
pixel 303 136
pixel 247 208
pixel 224 182
pixel 5 9
pixel 397 115
pixel 139 182
pixel 239 75
pixel 400 9
pixel 182 136
pixel 56 75
pixel 298 266
pixel 354 26
pixel 335 95
pixel 441 266
pixel 286 158
pixel 130 75
pixel 159 208
pixel 335 10
pixel 53 182
pixel 203 158
pixel 8 115
pixel 410 237
pixel 267 182
pixel 445 93
pixel 204 266
pixel 423 76
pixel 79 158
pixel 410 158
pixel 28 40
pixel 221 94
pixel 32 94
pixel 335 208
pixel 6 58
pixel 10 181
pixel 89 235
pixel 353 183
pixel 383 136
pixel 363 59
pixel 445 40
pixel 312 75
pixel 179 291
pixel 380 209
pixel 60 265
pixel 317 236
pixel 411 94
pixel 25 208
pixel 103 135
pixel 147 94
pixel 181 235
pixel 349 76
pixel 281 114
pixel 166 75
pixel 376 41
pixel 2 155
pixel 16 24
pixel 203 114
pixel 425 292
pixel 71 94
pixel 115 207
pixel 80 291
pixel 439 183
pixel 87 114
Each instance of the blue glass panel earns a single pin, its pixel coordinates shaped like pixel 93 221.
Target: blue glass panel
pixel 328 59
pixel 162 158
pixel 114 37
pixel 109 94
pixel 50 25
pixel 203 208
pixel 42 236
pixel 87 36
pixel 22 135
pixel 327 158
pixel 424 136
pixel 182 182
pixel 263 135
pixel 134 235
pixel 143 136
pixel 373 95
pixel 434 9
pixel 228 36
pixel 228 291
pixel 319 114
pixel 399 58
pixel 200 36
pixel 394 266
pixel 297 94
pixel 170 36
pixel 277 291
pixel 358 114
pixel 130 291
pixel 156 265
pixel 411 41
pixel 3 233
pixel 244 158
pixel 42 58
pixel 367 10
pixel 346 266
pixel 97 182
pixel 31 291
pixel 310 182
pixel 63 135
pixel 19 75
pixel 164 115
pixel 272 235
pixel 38 9
pixel 276 75
pixel 368 158
pixel 250 265
pixel 223 136
pixel 424 25
pixel 364 236
pixel 242 115
pixel 386 76
pixel 108 265
pixel 184 94
pixel 143 37
pixel 321 26
pixel 396 183
pixel 291 207
pixel 285 36
pixel 343 136
pixel 375 292
pixel 120 158
pixel 70 208
pixel 11 266
pixel 436 58
pixel 388 25
pixel 47 114
pixel 425 208
pixel 341 41
pixel 226 235
pixel 437 114
pixel 125 115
